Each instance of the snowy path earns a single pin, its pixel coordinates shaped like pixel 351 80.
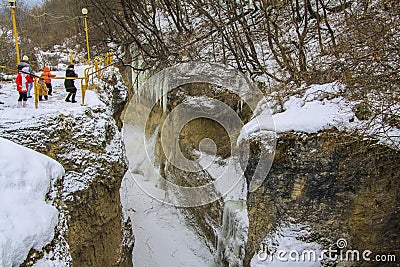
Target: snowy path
pixel 162 237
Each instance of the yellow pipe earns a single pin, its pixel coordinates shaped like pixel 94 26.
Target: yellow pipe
pixel 86 85
pixel 110 59
pixel 15 33
pixel 87 40
pixel 36 90
pixel 97 61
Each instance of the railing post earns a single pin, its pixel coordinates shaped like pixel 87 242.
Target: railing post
pixel 97 62
pixel 106 59
pixel 85 84
pixel 110 57
pixel 36 90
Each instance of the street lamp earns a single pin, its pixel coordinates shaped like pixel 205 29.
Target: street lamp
pixel 12 6
pixel 85 12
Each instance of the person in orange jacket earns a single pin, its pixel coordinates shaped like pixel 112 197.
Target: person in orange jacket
pixel 47 75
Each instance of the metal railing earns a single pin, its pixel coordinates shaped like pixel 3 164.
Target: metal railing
pixel 106 60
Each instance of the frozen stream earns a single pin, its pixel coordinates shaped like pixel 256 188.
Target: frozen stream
pixel 162 236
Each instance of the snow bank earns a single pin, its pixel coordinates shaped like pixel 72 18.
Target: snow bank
pixel 26 220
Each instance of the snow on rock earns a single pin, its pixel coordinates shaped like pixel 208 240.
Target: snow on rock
pixel 288 246
pixel 310 117
pixel 318 109
pixel 26 220
pixel 315 111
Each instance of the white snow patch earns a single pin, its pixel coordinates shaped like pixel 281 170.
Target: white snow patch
pixel 26 220
pixel 310 117
pixel 284 248
pixel 311 113
pixel 202 101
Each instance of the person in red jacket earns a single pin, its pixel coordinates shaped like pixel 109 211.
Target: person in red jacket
pixel 25 63
pixel 22 86
pixel 47 75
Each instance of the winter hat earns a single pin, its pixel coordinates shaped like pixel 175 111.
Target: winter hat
pixel 70 66
pixel 25 58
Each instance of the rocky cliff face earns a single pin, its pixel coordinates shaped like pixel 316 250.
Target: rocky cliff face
pixel 92 230
pixel 337 184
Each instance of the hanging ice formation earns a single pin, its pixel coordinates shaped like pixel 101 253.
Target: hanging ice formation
pixel 155 90
pixel 240 106
pixel 233 236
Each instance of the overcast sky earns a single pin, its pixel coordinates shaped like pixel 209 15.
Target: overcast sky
pixel 27 2
pixel 33 2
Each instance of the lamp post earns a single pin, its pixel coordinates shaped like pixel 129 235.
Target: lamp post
pixel 12 6
pixel 85 12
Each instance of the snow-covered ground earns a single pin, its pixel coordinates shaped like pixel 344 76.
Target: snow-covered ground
pixel 321 107
pixel 26 220
pixel 162 235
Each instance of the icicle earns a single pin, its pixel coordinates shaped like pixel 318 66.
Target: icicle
pixel 133 80
pixel 152 93
pixel 138 94
pixel 161 98
pixel 157 89
pixel 165 101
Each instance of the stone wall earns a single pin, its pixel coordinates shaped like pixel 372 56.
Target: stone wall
pixel 338 184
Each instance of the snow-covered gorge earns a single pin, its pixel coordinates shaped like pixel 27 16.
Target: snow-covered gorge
pixel 218 227
pixel 319 188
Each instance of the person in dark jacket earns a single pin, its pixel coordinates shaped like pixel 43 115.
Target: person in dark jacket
pixel 70 84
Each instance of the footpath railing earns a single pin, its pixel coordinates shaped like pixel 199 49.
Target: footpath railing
pixel 100 63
